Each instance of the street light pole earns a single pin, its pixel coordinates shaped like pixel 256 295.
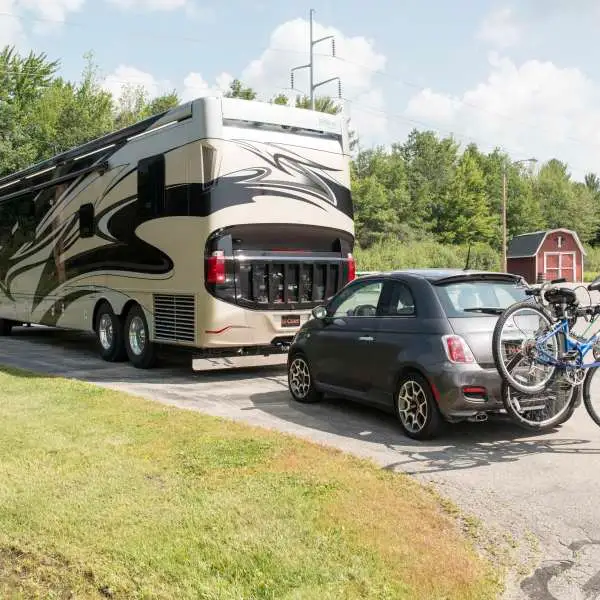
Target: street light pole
pixel 504 209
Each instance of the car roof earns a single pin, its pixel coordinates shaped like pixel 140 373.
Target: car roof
pixel 438 275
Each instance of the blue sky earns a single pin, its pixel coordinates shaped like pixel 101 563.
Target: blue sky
pixel 523 76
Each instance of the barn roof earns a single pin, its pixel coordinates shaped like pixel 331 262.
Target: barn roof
pixel 528 244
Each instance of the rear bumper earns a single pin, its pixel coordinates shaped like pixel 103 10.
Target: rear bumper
pixel 450 381
pixel 236 327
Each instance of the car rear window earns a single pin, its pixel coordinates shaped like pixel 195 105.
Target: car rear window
pixel 459 297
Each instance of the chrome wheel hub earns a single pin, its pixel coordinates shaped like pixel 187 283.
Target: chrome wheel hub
pixel 105 331
pixel 137 336
pixel 299 377
pixel 412 406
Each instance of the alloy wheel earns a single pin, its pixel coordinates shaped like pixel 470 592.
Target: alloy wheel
pixel 412 406
pixel 106 331
pixel 137 336
pixel 299 378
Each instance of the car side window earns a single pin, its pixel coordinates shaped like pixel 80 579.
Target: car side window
pixel 400 301
pixel 359 301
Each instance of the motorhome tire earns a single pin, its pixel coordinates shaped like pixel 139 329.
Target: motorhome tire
pixel 140 350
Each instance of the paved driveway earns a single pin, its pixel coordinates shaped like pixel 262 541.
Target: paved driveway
pixel 547 484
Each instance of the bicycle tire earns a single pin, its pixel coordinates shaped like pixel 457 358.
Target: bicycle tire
pixel 561 417
pixel 497 347
pixel 587 401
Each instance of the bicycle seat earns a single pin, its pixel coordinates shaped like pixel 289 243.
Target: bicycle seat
pixel 561 296
pixel 594 286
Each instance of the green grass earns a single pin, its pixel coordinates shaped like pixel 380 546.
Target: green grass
pixel 395 254
pixel 105 495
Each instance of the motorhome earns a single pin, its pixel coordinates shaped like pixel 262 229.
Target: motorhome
pixel 215 226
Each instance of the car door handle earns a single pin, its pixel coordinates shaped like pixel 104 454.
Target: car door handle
pixel 366 338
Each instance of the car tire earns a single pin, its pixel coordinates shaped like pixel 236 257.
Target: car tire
pixel 416 408
pixel 109 334
pixel 300 381
pixel 140 350
pixel 5 327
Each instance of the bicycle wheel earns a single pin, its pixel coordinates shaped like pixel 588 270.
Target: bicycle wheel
pixel 517 330
pixel 590 392
pixel 545 410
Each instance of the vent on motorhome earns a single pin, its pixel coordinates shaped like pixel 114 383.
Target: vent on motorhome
pixel 174 317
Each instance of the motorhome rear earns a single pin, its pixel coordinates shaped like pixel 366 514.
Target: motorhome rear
pixel 216 226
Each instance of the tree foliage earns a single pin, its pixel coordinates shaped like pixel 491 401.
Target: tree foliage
pixel 237 90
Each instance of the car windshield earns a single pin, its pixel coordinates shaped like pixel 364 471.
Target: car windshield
pixel 479 298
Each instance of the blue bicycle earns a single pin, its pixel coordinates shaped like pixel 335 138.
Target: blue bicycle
pixel 536 352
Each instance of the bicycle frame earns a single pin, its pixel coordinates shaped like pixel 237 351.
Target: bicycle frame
pixel 572 343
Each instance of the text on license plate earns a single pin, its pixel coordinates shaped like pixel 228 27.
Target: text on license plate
pixel 290 321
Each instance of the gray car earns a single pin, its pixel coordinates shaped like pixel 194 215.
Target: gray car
pixel 415 342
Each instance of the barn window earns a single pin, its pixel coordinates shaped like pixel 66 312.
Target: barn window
pixel 560 241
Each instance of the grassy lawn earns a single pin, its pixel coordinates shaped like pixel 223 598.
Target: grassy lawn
pixel 104 495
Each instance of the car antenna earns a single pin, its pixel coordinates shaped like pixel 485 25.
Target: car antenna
pixel 468 258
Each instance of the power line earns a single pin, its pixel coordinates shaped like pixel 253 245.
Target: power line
pixel 336 57
pixel 377 72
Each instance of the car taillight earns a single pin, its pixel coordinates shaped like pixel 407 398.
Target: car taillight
pixel 351 268
pixel 457 350
pixel 215 268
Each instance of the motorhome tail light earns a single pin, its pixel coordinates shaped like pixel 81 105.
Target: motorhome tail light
pixel 215 268
pixel 457 350
pixel 351 268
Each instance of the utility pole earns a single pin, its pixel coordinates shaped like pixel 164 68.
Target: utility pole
pixel 504 232
pixel 311 64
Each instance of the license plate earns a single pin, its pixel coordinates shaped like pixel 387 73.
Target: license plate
pixel 290 321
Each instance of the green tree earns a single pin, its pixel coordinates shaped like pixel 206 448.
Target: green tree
pixel 280 99
pixel 23 80
pixel 566 203
pixel 430 165
pixel 69 114
pixel 592 182
pixel 323 104
pixel 466 218
pixel 162 104
pixel 375 218
pixel 135 105
pixel 237 90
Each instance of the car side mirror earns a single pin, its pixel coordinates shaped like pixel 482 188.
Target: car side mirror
pixel 319 312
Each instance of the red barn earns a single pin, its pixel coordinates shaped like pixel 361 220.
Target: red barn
pixel 546 255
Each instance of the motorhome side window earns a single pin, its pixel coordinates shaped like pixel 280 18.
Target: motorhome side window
pixel 151 185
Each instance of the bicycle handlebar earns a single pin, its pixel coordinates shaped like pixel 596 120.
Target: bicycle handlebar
pixel 538 291
pixel 585 311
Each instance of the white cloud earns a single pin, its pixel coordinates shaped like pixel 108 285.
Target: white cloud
pixel 500 28
pixel 193 86
pixel 535 108
pixel 52 10
pixel 11 29
pixel 270 73
pixel 125 74
pixel 47 15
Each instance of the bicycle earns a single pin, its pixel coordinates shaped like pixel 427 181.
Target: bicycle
pixel 546 353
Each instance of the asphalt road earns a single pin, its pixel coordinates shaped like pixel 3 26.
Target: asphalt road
pixel 544 487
